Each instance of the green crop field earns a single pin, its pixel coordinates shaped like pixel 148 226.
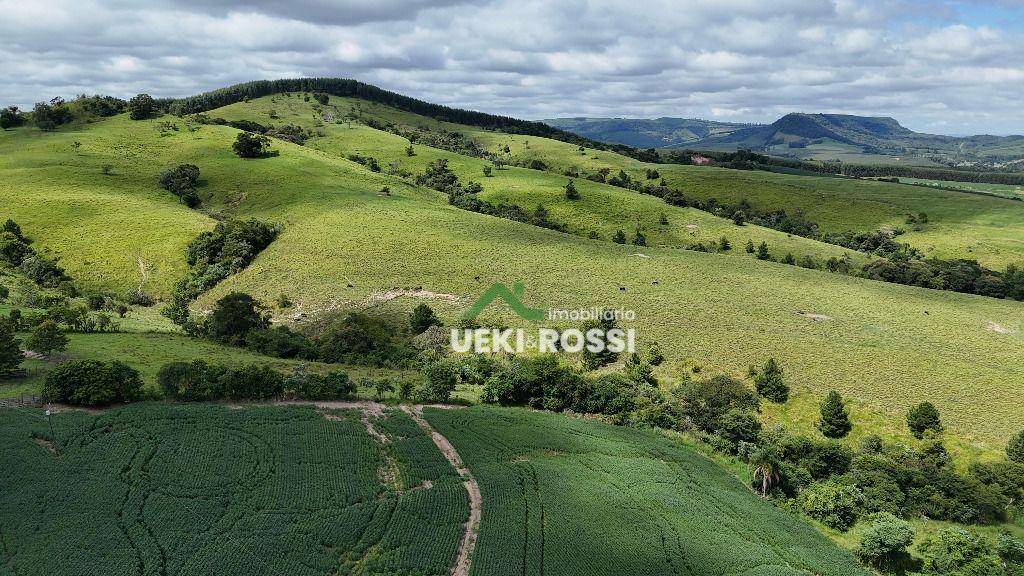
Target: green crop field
pixel 565 496
pixel 204 489
pixel 161 489
pixel 345 246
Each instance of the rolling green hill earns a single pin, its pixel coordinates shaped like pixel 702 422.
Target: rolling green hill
pixel 346 246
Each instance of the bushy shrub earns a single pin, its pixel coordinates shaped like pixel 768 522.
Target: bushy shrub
pixel 423 317
pixel 306 386
pixel 250 145
pixel 1015 448
pixel 884 543
pixel 821 459
pixel 198 380
pixel 92 383
pixel 591 359
pixel 705 403
pixel 440 378
pixel 42 270
pixel 359 338
pixel 280 342
pixel 833 504
pixel 956 551
pixel 47 338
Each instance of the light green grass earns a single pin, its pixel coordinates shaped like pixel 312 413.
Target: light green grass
pixel 987 229
pixel 116 231
pixel 1001 190
pixel 601 208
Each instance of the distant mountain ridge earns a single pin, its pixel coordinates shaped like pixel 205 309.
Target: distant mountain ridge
pixel 800 135
pixel 643 133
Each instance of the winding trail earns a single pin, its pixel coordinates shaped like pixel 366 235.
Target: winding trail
pixel 468 544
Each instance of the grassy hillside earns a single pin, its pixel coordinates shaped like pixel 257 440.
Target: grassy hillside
pixel 601 208
pixel 962 225
pixel 345 246
pixel 115 230
pixel 564 496
pixel 201 489
pixel 987 229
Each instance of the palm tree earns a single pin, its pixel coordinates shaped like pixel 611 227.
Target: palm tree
pixel 765 462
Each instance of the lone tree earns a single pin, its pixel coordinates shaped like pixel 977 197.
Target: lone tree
pixel 141 107
pixel 762 251
pixel 249 145
pixel 750 247
pixel 739 217
pixel 619 237
pixel 423 317
pixel 923 417
pixel 10 349
pixel 570 191
pixel 47 338
pixel 885 542
pixel 234 316
pixel 1015 448
pixel 593 360
pixel 770 383
pixel 835 418
pixel 182 181
pixel 639 239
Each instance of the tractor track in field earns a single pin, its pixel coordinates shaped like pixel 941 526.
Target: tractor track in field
pixel 464 557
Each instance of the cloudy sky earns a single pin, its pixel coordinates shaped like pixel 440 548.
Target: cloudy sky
pixel 940 66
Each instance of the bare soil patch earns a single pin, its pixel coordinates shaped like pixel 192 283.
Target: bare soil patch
pixel 993 327
pixel 464 557
pixel 392 294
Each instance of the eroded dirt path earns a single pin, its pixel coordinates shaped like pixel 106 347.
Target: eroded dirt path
pixel 472 526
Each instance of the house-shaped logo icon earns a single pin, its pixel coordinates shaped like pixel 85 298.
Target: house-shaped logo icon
pixel 511 297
